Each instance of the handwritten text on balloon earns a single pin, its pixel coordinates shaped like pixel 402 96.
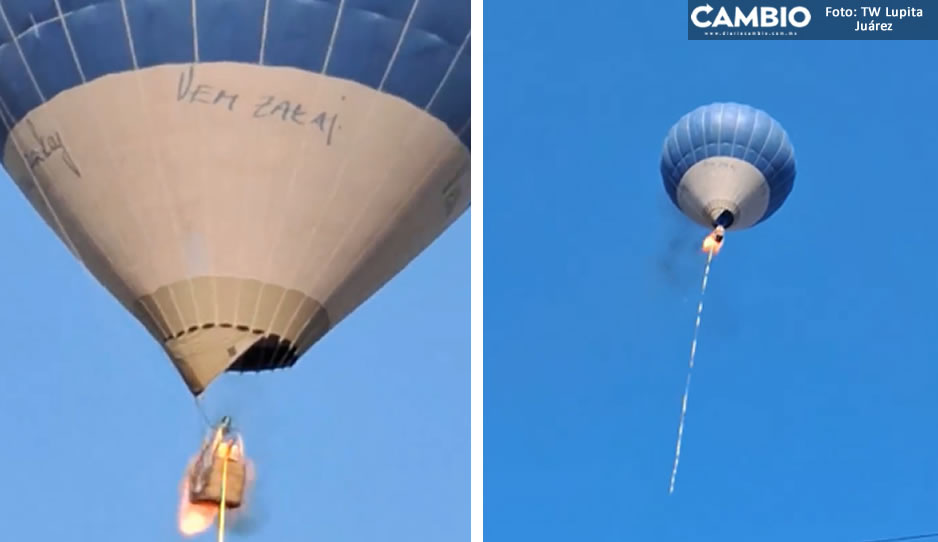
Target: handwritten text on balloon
pixel 190 91
pixel 46 147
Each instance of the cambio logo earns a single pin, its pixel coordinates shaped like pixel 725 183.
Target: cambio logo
pixel 757 17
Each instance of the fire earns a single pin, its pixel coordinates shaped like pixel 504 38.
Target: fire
pixel 711 244
pixel 229 449
pixel 196 518
pixel 714 241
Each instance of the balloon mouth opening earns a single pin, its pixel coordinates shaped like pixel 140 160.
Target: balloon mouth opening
pixel 724 219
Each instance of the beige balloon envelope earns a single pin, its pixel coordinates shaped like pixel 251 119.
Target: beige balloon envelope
pixel 238 211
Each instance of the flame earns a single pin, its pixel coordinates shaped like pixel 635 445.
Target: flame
pixel 196 518
pixel 713 242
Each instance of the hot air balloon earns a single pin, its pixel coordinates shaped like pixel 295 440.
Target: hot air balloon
pixel 727 166
pixel 240 175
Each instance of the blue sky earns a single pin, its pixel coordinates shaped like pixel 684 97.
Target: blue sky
pixel 811 415
pixel 366 438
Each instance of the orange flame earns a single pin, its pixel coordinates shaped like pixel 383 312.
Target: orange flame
pixel 196 518
pixel 713 242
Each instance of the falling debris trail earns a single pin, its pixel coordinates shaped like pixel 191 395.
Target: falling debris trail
pixel 224 495
pixel 690 369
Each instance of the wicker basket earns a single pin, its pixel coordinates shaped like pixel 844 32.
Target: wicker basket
pixel 234 493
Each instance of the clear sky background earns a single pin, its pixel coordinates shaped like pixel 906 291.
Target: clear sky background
pixel 366 438
pixel 812 412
